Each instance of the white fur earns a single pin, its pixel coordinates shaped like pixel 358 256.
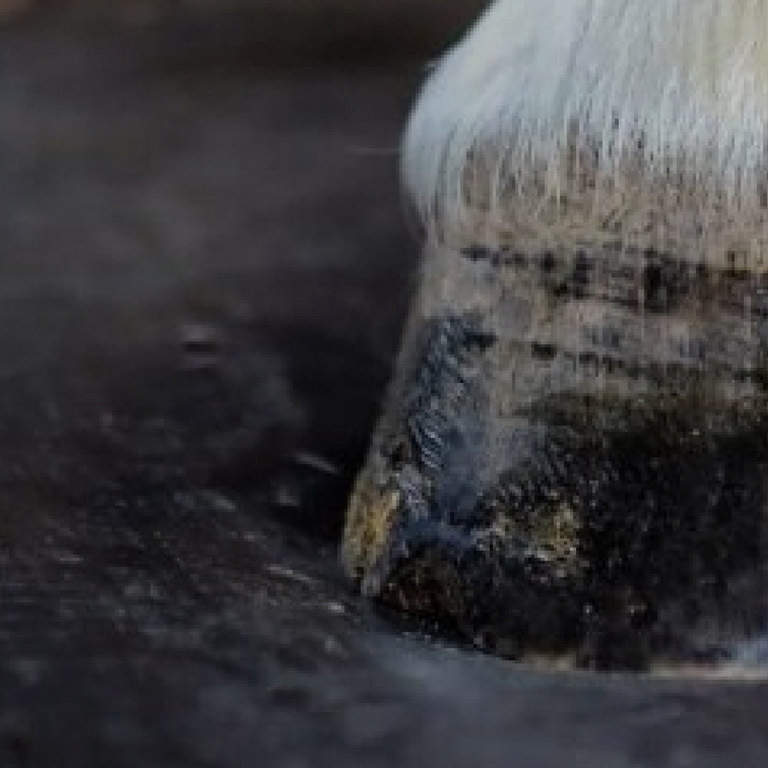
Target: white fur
pixel 676 89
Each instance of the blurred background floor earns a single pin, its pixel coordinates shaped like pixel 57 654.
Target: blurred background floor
pixel 204 268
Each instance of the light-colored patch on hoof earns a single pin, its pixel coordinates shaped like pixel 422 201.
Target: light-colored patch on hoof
pixel 370 518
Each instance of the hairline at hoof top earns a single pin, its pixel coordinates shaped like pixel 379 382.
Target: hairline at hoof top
pixel 573 454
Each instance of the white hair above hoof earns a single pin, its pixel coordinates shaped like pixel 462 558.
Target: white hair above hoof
pixel 620 99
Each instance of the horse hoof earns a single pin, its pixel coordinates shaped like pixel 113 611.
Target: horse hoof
pixel 573 459
pixel 573 456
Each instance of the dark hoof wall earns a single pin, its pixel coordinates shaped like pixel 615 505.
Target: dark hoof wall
pixel 534 507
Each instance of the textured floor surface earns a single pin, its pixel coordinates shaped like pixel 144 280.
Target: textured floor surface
pixel 204 272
